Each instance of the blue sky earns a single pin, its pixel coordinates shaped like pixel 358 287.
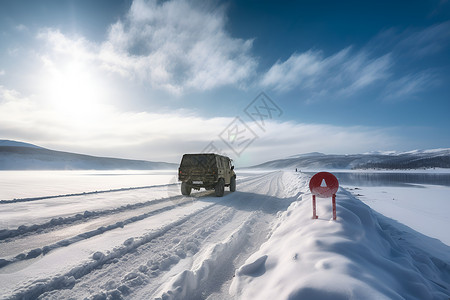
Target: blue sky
pixel 155 79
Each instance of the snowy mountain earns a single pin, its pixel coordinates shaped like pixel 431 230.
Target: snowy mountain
pixel 23 156
pixel 417 159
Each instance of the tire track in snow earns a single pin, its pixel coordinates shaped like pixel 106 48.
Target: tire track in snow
pixel 227 222
pixel 83 217
pixel 99 259
pixel 219 264
pixel 102 229
pixel 150 264
pixel 80 217
pixel 88 214
pixel 16 200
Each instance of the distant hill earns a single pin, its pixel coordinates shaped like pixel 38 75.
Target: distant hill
pixel 9 143
pixel 23 156
pixel 418 159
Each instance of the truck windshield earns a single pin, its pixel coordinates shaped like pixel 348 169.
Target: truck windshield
pixel 198 160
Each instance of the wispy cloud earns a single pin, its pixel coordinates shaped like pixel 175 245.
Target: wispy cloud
pixel 345 72
pixel 412 49
pixel 412 43
pixel 390 62
pixel 298 70
pixel 425 42
pixel 409 86
pixel 180 46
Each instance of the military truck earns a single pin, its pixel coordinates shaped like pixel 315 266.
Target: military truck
pixel 206 170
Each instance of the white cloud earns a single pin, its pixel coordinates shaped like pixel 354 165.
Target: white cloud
pixel 345 72
pixel 428 41
pixel 413 43
pixel 367 72
pixel 7 95
pixel 105 132
pixel 298 70
pixel 176 45
pixel 180 46
pixel 60 44
pixel 2 72
pixel 348 71
pixel 165 137
pixel 409 86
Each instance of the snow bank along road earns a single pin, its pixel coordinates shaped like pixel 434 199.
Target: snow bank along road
pixel 257 243
pixel 130 244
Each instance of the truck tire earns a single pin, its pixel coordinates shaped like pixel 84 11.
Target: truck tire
pixel 185 189
pixel 233 184
pixel 220 188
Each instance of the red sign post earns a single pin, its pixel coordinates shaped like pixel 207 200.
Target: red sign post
pixel 324 185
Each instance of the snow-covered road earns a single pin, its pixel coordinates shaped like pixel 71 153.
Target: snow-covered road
pixel 136 243
pixel 259 242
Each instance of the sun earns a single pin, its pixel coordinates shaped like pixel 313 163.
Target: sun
pixel 75 92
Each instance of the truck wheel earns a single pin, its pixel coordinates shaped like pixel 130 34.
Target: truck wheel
pixel 220 188
pixel 185 189
pixel 233 184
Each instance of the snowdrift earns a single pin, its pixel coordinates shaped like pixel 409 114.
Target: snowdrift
pixel 362 255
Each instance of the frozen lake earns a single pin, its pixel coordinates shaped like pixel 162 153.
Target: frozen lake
pixel 406 179
pixel 421 201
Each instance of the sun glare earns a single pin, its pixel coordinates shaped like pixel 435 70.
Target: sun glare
pixel 75 92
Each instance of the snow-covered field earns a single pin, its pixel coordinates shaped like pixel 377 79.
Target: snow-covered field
pixel 132 235
pixel 29 184
pixel 424 208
